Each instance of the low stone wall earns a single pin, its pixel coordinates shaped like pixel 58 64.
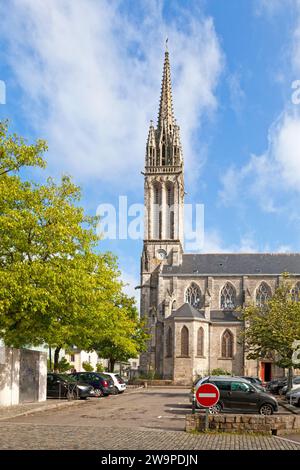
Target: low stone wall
pixel 274 424
pixel 151 383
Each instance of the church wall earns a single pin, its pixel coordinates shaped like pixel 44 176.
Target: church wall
pixel 168 362
pixel 234 365
pixel 201 364
pixel 183 366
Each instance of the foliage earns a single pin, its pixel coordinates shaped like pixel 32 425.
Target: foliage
pixel 220 371
pixel 100 367
pixel 87 367
pixel 54 286
pixel 15 153
pixel 272 329
pixel 63 365
pixel 125 336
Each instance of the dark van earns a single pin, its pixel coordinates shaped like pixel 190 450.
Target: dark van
pixel 240 395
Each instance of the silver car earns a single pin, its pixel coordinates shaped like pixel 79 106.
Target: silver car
pixel 293 397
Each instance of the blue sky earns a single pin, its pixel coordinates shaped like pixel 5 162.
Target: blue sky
pixel 86 76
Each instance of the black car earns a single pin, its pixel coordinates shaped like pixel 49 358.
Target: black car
pixel 275 386
pixel 255 381
pixel 239 394
pixel 64 386
pixel 103 384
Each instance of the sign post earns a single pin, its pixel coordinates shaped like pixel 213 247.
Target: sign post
pixel 207 396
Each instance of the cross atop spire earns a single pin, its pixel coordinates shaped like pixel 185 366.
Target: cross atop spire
pixel 165 114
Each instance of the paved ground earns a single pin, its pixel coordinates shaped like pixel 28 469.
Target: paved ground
pixel 140 419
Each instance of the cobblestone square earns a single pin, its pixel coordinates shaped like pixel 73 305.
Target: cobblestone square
pixel 146 419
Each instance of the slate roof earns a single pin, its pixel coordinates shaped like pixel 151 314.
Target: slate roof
pixel 223 315
pixel 236 264
pixel 187 311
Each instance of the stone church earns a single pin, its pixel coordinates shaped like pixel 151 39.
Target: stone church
pixel 189 300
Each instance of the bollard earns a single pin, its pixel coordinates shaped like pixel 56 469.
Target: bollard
pixel 194 405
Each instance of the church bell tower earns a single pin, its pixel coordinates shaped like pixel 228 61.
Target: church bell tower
pixel 164 202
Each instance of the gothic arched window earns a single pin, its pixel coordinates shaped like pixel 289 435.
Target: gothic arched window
pixel 184 342
pixel 174 305
pixel 157 219
pixel 169 343
pixel 200 342
pixel 228 297
pixel 227 344
pixel 263 293
pixel 193 296
pixel 170 210
pixel 295 292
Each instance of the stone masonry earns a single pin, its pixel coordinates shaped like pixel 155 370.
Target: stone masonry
pixel 190 301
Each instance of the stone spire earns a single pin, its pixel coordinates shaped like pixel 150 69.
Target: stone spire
pixel 166 114
pixel 163 149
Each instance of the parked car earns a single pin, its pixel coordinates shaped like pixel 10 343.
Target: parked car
pixel 119 383
pixel 62 385
pixel 293 396
pixel 274 386
pixel 296 384
pixel 102 383
pixel 255 381
pixel 238 394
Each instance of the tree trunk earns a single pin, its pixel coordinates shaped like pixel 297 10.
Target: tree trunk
pixel 56 358
pixel 111 364
pixel 290 379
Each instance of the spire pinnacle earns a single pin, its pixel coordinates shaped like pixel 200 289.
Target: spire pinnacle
pixel 166 106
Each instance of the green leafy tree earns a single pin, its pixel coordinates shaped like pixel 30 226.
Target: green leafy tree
pixel 54 287
pixel 125 336
pixel 63 365
pixel 15 153
pixel 272 328
pixel 100 367
pixel 87 367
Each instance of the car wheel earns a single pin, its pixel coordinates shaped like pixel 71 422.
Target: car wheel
pixel 116 391
pixel 98 392
pixel 215 410
pixel 266 409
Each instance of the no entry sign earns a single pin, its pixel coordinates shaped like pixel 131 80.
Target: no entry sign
pixel 207 395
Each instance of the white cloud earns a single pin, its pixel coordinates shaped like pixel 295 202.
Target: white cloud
pixel 266 178
pixel 90 96
pixel 131 281
pixel 213 243
pixel 286 149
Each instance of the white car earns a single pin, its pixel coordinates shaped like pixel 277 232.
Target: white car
pixel 293 397
pixel 119 383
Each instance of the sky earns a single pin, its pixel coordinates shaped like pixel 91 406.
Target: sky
pixel 85 75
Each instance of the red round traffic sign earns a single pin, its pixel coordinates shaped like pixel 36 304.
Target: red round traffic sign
pixel 207 395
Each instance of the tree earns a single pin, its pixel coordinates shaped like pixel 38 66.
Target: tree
pixel 54 286
pixel 63 365
pixel 271 329
pixel 15 153
pixel 125 336
pixel 87 367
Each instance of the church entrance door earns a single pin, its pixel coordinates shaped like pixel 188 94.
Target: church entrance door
pixel 266 371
